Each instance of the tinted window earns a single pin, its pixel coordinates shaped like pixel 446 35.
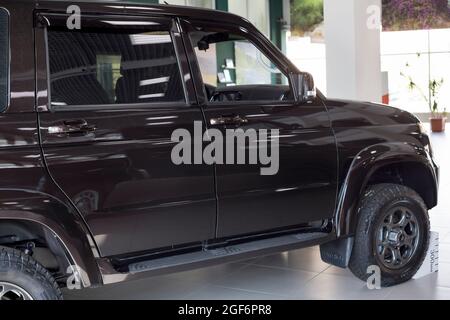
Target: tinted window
pixel 118 67
pixel 4 59
pixel 238 60
pixel 234 69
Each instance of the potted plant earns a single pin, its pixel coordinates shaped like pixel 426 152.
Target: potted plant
pixel 438 117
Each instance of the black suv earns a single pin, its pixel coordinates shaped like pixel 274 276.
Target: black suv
pixel 90 97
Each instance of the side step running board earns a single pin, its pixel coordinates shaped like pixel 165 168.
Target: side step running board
pixel 205 258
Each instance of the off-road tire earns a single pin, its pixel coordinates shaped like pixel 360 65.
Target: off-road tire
pixel 377 200
pixel 21 270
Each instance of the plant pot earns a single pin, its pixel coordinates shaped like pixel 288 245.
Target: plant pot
pixel 438 124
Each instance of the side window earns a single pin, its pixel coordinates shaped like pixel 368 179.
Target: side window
pixel 101 67
pixel 233 68
pixel 4 59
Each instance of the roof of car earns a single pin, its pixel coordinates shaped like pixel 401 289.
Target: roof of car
pixel 120 6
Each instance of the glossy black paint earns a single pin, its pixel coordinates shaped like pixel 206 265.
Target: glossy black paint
pixel 303 190
pixel 370 136
pixel 131 195
pixel 116 192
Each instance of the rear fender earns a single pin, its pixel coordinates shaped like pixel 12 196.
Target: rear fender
pixel 61 221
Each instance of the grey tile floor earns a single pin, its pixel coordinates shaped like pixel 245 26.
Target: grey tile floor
pixel 293 275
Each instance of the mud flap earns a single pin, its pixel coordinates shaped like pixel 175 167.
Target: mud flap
pixel 337 252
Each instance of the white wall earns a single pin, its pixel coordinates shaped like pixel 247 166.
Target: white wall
pixel 310 57
pixel 352 50
pixel 194 3
pixel 256 11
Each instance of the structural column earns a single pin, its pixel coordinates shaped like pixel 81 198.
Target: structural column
pixel 352 35
pixel 279 13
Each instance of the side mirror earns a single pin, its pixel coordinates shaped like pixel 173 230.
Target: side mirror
pixel 306 89
pixel 203 45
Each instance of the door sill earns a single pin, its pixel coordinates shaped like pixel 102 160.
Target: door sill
pixel 204 258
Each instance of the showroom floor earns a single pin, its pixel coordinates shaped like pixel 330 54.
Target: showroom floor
pixel 295 275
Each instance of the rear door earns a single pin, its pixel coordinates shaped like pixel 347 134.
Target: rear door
pixel 114 93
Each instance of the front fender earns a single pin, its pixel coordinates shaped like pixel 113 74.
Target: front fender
pixel 364 165
pixel 59 218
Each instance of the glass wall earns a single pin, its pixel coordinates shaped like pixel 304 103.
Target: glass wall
pixel 421 55
pixel 415 48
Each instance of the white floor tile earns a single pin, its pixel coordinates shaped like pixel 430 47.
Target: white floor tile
pixel 445 238
pixel 423 289
pixel 336 287
pixel 267 280
pixel 306 260
pixel 222 293
pixel 332 270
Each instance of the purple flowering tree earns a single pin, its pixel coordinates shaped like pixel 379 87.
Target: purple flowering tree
pixel 415 14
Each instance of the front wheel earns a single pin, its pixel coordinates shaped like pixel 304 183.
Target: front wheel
pixel 392 233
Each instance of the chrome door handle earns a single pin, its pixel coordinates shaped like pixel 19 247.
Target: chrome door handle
pixel 233 120
pixel 217 121
pixel 72 127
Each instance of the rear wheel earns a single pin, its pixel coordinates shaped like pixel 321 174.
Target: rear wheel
pixel 392 233
pixel 22 278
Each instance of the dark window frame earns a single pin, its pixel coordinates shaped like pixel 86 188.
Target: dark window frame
pixel 60 18
pixel 8 62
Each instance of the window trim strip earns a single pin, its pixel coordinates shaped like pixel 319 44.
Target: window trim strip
pixel 8 76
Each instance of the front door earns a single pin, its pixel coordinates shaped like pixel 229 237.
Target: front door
pixel 118 89
pixel 247 86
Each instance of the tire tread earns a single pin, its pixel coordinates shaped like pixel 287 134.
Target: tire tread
pixel 375 197
pixel 23 263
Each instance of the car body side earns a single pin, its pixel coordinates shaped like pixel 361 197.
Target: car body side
pixel 374 144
